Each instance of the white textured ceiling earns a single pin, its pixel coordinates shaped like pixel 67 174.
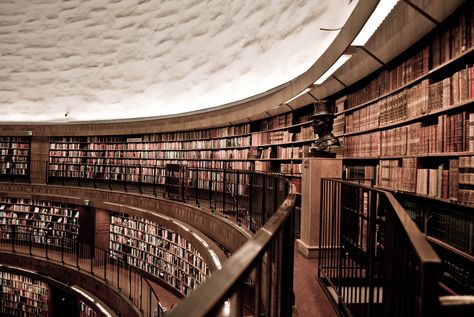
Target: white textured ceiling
pixel 111 59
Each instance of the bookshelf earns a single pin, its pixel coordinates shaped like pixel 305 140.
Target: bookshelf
pixel 42 222
pixel 276 144
pixel 158 251
pixel 410 126
pixel 14 157
pixel 23 296
pixel 143 158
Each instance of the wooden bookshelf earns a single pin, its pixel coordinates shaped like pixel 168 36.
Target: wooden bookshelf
pixel 23 296
pixel 282 140
pixel 413 122
pixel 143 158
pixel 42 222
pixel 158 251
pixel 15 157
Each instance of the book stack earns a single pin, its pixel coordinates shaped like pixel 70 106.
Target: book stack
pixel 466 179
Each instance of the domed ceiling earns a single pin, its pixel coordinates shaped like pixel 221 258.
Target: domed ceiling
pixel 78 60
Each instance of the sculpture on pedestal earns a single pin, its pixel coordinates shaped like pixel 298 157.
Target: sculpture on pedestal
pixel 323 119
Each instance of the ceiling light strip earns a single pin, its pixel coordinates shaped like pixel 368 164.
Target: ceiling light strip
pixel 376 18
pixel 341 60
pixel 298 95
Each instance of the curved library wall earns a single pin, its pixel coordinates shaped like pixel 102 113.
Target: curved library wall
pixel 407 126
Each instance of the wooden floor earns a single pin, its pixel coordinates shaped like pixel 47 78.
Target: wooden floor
pixel 310 299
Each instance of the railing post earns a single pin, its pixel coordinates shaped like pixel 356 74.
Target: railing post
pixel 149 304
pixel 275 195
pixel 105 258
pixel 154 180
pixel 287 266
pixel 124 166
pixel 110 175
pixel 119 265
pixel 211 176
pixel 130 282
pixel 77 253
pixel 140 180
pixel 91 259
pixel 63 174
pixel 197 187
pixel 372 232
pixel 224 186
pixel 62 250
pixel 250 200
pixel 141 290
pixel 94 174
pixel 47 172
pixel 237 196
pixel 30 241
pixel 13 231
pixel 264 200
pixel 46 246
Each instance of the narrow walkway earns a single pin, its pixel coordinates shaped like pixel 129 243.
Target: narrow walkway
pixel 311 301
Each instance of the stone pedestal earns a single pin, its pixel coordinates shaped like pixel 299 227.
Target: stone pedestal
pixel 313 169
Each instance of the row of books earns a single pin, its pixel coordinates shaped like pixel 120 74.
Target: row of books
pixel 147 146
pixel 40 218
pixel 290 168
pixel 454 182
pixel 218 133
pixel 159 251
pixel 306 133
pixel 15 139
pixel 14 171
pixel 64 156
pixel 14 152
pixel 391 79
pixel 289 152
pixel 414 102
pixel 23 296
pixel 34 202
pixel 199 134
pixel 365 145
pixel 280 121
pixel 150 232
pixel 14 157
pixel 271 137
pixel 454 39
pixel 452 133
pixel 154 164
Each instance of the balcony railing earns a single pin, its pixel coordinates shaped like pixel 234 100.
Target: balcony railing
pixel 116 273
pixel 257 279
pixel 373 258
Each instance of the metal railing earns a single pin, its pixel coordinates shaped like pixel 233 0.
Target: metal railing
pixel 247 197
pixel 116 273
pixel 258 279
pixel 373 256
